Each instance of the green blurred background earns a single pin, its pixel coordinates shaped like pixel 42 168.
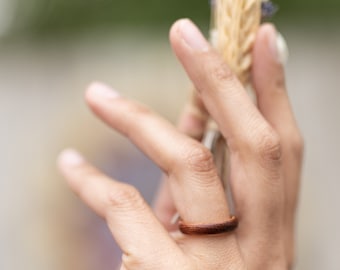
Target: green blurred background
pixel 50 50
pixel 48 17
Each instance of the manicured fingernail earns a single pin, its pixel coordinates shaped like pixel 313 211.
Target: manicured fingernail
pixel 102 90
pixel 70 158
pixel 279 47
pixel 193 36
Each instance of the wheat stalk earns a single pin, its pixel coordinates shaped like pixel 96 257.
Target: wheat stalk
pixel 235 25
pixel 233 31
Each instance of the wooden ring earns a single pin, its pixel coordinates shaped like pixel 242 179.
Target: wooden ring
pixel 204 229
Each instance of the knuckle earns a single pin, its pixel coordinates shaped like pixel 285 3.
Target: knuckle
pixel 88 174
pixel 280 83
pixel 125 197
pixel 137 110
pixel 221 72
pixel 136 114
pixel 269 145
pixel 199 159
pixel 131 262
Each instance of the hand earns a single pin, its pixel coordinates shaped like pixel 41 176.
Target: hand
pixel 265 154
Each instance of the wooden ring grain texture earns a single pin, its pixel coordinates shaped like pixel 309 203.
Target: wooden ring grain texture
pixel 208 229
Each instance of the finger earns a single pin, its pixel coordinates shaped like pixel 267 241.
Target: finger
pixel 223 95
pixel 194 117
pixel 197 190
pixel 129 218
pixel 273 102
pixel 192 122
pixel 254 145
pixel 164 206
pixel 248 134
pixel 269 83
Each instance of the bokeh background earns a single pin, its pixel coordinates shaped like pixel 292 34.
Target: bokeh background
pixel 51 49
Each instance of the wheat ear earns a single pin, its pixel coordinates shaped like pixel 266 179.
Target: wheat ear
pixel 233 31
pixel 235 25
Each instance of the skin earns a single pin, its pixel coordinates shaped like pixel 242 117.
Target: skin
pixel 266 151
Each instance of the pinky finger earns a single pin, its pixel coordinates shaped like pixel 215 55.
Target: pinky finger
pixel 128 216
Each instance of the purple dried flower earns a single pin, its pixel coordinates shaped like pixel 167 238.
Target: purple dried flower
pixel 268 9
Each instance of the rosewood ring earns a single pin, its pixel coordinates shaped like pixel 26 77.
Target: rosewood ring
pixel 208 229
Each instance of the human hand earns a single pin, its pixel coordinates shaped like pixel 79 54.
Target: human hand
pixel 265 163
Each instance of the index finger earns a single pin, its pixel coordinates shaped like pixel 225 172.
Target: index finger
pixel 198 192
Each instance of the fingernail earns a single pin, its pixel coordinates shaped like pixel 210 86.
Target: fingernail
pixel 102 90
pixel 193 36
pixel 70 158
pixel 280 48
pixel 283 51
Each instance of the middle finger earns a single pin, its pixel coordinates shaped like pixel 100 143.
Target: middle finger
pixel 192 123
pixel 255 149
pixel 224 97
pixel 197 190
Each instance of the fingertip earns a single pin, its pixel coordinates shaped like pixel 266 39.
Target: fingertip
pixel 100 91
pixel 175 28
pixel 271 42
pixel 282 48
pixel 268 61
pixel 69 158
pixel 186 38
pixel 174 34
pixel 264 40
pixel 267 29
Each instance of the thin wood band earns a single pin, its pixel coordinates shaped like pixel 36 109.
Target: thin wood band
pixel 206 229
